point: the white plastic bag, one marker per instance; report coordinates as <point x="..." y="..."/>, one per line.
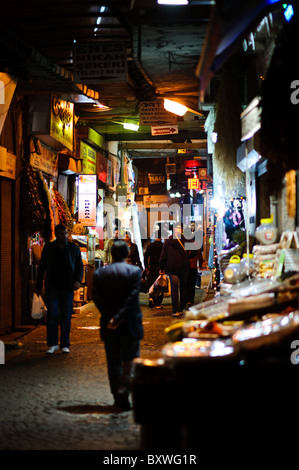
<point x="161" y="285"/>
<point x="38" y="310"/>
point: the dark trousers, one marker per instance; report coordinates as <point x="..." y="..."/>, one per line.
<point x="120" y="349"/>
<point x="191" y="285"/>
<point x="179" y="285"/>
<point x="59" y="303"/>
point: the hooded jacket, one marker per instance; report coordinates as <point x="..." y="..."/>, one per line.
<point x="174" y="257"/>
<point x="46" y="266"/>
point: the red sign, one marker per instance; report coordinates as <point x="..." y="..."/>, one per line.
<point x="161" y="130"/>
<point x="102" y="166"/>
<point x="193" y="183"/>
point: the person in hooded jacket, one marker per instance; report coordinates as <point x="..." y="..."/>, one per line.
<point x="151" y="263"/>
<point x="175" y="262"/>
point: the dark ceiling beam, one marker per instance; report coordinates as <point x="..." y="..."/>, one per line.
<point x="181" y="137"/>
<point x="164" y="146"/>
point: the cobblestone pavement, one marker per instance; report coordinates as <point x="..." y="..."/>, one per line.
<point x="63" y="402"/>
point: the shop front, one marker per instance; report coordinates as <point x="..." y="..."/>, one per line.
<point x="47" y="181"/>
<point x="225" y="378"/>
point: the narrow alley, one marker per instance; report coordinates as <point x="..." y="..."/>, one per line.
<point x="63" y="402"/>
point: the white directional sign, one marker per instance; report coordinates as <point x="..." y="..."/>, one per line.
<point x="162" y="130"/>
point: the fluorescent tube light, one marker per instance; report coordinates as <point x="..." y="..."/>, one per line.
<point x="174" y="107"/>
<point x="173" y="2"/>
<point x="130" y="126"/>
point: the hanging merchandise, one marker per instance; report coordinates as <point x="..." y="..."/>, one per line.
<point x="35" y="211"/>
<point x="41" y="209"/>
<point x="63" y="211"/>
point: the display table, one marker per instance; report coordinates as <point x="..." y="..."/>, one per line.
<point x="226" y="376"/>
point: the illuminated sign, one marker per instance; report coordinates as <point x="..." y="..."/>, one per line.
<point x="193" y="183"/>
<point x="89" y="158"/>
<point x="87" y="201"/>
<point x="61" y="126"/>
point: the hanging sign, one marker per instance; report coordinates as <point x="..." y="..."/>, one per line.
<point x="154" y="113"/>
<point x="87" y="200"/>
<point x="61" y="121"/>
<point x="102" y="167"/>
<point x="7" y="164"/>
<point x="162" y="130"/>
<point x="193" y="183"/>
<point x="251" y="119"/>
<point x="45" y="161"/>
<point x="89" y="158"/>
<point x="101" y="61"/>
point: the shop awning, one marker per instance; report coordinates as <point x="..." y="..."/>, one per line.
<point x="231" y="21"/>
<point x="68" y="165"/>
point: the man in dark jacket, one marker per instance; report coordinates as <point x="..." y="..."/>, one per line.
<point x="116" y="294"/>
<point x="61" y="266"/>
<point x="133" y="257"/>
<point x="151" y="262"/>
<point x="174" y="260"/>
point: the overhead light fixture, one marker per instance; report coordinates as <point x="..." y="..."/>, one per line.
<point x="130" y="126"/>
<point x="175" y="107"/>
<point x="173" y="2"/>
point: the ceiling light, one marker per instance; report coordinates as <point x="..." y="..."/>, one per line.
<point x="174" y="107"/>
<point x="173" y="2"/>
<point x="130" y="126"/>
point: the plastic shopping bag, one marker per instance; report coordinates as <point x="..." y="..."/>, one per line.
<point x="39" y="309"/>
<point x="160" y="285"/>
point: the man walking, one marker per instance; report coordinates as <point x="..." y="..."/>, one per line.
<point x="116" y="294"/>
<point x="61" y="266"/>
<point x="174" y="260"/>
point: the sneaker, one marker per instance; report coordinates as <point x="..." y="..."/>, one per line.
<point x="65" y="350"/>
<point x="52" y="349"/>
<point x="175" y="314"/>
<point x="150" y="303"/>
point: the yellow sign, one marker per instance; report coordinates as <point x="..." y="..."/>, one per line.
<point x="89" y="159"/>
<point x="193" y="183"/>
<point x="61" y="122"/>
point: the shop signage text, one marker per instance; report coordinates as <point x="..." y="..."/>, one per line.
<point x="156" y="178"/>
<point x="153" y="113"/>
<point x="89" y="158"/>
<point x="87" y="201"/>
<point x="193" y="183"/>
<point x="45" y="161"/>
<point x="97" y="62"/>
<point x="61" y="122"/>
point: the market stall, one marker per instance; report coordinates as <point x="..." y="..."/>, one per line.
<point x="231" y="363"/>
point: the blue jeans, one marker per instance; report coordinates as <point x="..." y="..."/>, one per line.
<point x="179" y="284"/>
<point x="121" y="349"/>
<point x="59" y="303"/>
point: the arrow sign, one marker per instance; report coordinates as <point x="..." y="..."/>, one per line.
<point x="161" y="130"/>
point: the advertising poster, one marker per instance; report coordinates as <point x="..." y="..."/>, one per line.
<point x="87" y="204"/>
